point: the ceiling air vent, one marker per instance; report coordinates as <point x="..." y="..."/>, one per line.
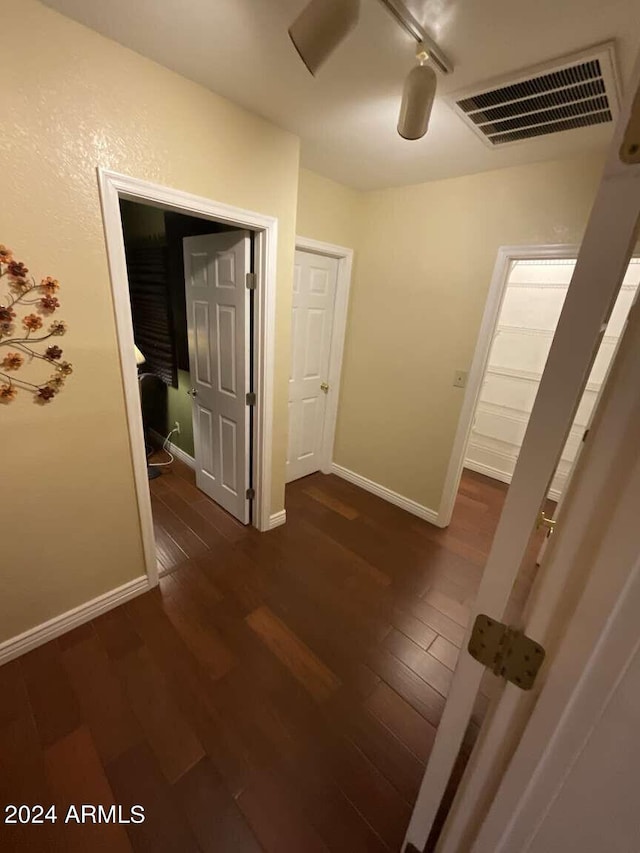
<point x="575" y="92"/>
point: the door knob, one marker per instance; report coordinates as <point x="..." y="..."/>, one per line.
<point x="549" y="523"/>
<point x="192" y="392"/>
<point x="324" y="386"/>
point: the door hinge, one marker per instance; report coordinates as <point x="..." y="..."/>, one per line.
<point x="507" y="652"/>
<point x="252" y="281"/>
<point x="250" y="398"/>
<point x="250" y="494"/>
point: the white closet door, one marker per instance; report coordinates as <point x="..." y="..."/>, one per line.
<point x="216" y="267"/>
<point x="314" y="291"/>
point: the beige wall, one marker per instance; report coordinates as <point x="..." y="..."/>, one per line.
<point x="329" y="211"/>
<point x="71" y="101"/>
<point x="425" y="256"/>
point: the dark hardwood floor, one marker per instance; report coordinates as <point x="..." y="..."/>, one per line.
<point x="277" y="692"/>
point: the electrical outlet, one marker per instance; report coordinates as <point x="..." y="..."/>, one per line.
<point x="176" y="426"/>
<point x="460" y="379"/>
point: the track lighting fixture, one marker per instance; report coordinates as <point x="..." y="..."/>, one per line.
<point x="320" y="27"/>
<point x="417" y="99"/>
<point x="323" y="24"/>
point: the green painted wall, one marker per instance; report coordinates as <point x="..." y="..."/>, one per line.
<point x="179" y="409"/>
<point x="163" y="405"/>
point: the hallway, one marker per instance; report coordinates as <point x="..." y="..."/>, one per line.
<point x="279" y="691"/>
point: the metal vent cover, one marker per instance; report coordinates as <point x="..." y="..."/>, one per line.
<point x="575" y="92"/>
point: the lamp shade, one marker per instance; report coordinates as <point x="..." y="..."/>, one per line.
<point x="140" y="359"/>
<point x="417" y="101"/>
<point x="320" y="28"/>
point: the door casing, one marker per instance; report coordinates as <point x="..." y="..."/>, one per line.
<point x="115" y="186"/>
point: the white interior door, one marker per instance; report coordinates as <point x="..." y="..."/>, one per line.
<point x="314" y="293"/>
<point x="216" y="267"/>
<point x="580" y="743"/>
<point x="602" y="262"/>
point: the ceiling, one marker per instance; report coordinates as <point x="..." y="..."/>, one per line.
<point x="346" y="116"/>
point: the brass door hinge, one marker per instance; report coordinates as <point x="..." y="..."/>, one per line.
<point x="250" y="399"/>
<point x="250" y="494"/>
<point x="506" y="652"/>
<point x="252" y="281"/>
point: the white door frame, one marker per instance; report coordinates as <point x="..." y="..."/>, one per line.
<point x="344" y="257"/>
<point x="506" y="256"/>
<point x="113" y="187"/>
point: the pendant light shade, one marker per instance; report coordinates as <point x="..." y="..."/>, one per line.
<point x="320" y="28"/>
<point x="417" y="100"/>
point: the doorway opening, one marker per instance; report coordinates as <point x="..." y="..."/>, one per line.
<point x="523" y="308"/>
<point x="526" y="296"/>
<point x="533" y="296"/>
<point x="199" y="321"/>
<point x="190" y="303"/>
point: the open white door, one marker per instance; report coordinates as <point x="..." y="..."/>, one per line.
<point x="600" y="269"/>
<point x="585" y="611"/>
<point x="216" y="267"/>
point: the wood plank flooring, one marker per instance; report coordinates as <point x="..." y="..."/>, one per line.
<point x="277" y="692"/>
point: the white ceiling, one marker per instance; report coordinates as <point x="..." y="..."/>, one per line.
<point x="347" y="115"/>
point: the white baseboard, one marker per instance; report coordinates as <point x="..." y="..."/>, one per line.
<point x="413" y="507"/>
<point x="41" y="634"/>
<point x="277" y="519"/>
<point x="495" y="474"/>
<point x="174" y="449"/>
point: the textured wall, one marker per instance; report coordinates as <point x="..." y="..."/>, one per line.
<point x="426" y="257"/>
<point x="72" y="101"/>
<point x="424" y="260"/>
<point x="329" y="211"/>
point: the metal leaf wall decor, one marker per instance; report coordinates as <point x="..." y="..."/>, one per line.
<point x="28" y="332"/>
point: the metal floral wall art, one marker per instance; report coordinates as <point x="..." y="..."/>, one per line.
<point x="27" y="333"/>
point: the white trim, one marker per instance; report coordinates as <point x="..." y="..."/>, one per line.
<point x="53" y="628"/>
<point x="340" y="311"/>
<point x="386" y="494"/>
<point x="506" y="256"/>
<point x="277" y="519"/>
<point x="176" y="451"/>
<point x="113" y="187"/>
